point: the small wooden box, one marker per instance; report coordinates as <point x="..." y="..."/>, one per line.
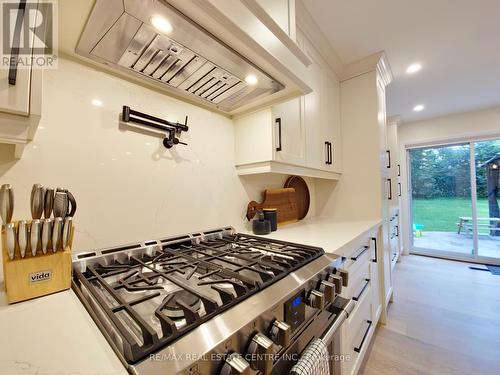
<point x="35" y="276"/>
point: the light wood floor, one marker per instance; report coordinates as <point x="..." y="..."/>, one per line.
<point x="445" y="319"/>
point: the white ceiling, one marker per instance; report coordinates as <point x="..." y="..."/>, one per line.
<point x="456" y="41"/>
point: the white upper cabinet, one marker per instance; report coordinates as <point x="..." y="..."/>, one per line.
<point x="289" y="133"/>
<point x="321" y="113"/>
<point x="20" y="97"/>
<point x="300" y="136"/>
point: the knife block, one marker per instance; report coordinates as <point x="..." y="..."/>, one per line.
<point x="36" y="276"/>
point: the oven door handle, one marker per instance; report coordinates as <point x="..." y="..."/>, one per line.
<point x="341" y="317"/>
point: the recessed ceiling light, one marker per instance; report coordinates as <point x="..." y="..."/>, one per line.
<point x="251" y="79"/>
<point x="97" y="102"/>
<point x="418" y="108"/>
<point x="161" y="24"/>
<point x="413" y="68"/>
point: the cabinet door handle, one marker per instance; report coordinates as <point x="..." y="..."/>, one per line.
<point x="388" y="158"/>
<point x="389" y="181"/>
<point x="375" y="260"/>
<point x="399" y="170"/>
<point x="327" y="152"/>
<point x="278" y="122"/>
<point x="359" y="252"/>
<point x="358" y="297"/>
<point x="358" y="348"/>
<point x="399" y="189"/>
<point x="397" y="230"/>
<point x="14" y="54"/>
<point x="330" y="152"/>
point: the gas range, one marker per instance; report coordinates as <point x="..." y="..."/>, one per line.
<point x="213" y="302"/>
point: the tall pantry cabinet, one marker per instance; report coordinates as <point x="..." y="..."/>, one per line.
<point x="363" y="193"/>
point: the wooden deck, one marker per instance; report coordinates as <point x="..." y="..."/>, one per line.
<point x="445" y="319"/>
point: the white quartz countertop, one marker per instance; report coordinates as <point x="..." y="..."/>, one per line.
<point x="54" y="335"/>
<point x="332" y="236"/>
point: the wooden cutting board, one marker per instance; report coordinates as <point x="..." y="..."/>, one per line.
<point x="283" y="200"/>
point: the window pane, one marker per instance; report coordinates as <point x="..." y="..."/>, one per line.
<point x="441" y="200"/>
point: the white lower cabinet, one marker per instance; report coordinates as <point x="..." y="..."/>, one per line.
<point x="364" y="287"/>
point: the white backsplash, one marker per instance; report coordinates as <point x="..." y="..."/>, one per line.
<point x="128" y="186"/>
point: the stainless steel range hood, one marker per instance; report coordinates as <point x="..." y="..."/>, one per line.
<point x="182" y="57"/>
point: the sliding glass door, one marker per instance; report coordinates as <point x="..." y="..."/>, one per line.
<point x="487" y="157"/>
<point x="454" y="200"/>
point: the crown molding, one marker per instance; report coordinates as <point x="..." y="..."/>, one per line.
<point x="377" y="62"/>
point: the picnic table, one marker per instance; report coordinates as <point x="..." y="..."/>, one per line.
<point x="465" y="223"/>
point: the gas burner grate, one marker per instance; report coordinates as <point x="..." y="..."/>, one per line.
<point x="150" y="298"/>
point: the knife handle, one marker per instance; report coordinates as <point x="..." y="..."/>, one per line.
<point x="10" y="239"/>
<point x="36" y="226"/>
<point x="37" y="201"/>
<point x="68" y="224"/>
<point x="48" y="203"/>
<point x="6" y="203"/>
<point x="57" y="234"/>
<point x="22" y="237"/>
<point x="46" y="234"/>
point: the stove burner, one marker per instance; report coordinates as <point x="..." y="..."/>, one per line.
<point x="173" y="310"/>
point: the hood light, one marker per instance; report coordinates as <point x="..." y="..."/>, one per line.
<point x="251" y="79"/>
<point x="419" y="108"/>
<point x="161" y="24"/>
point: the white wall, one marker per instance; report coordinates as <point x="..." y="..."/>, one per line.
<point x="447" y="129"/>
<point x="128" y="186"/>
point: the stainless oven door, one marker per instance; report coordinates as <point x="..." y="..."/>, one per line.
<point x="332" y="337"/>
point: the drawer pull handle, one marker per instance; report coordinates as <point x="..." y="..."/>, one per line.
<point x="358" y="297"/>
<point x="358" y="348"/>
<point x="375" y="260"/>
<point x="359" y="252"/>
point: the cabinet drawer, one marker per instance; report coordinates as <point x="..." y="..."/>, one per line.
<point x="357" y="278"/>
<point x="362" y="312"/>
<point x="357" y="350"/>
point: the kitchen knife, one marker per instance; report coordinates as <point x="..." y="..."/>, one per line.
<point x="68" y="223"/>
<point x="46" y="234"/>
<point x="6" y="203"/>
<point x="10" y="239"/>
<point x="22" y="237"/>
<point x="57" y="234"/>
<point x="48" y="202"/>
<point x="36" y="226"/>
<point x="37" y="201"/>
<point x="60" y="204"/>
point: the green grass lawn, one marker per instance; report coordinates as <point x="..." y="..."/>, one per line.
<point x="441" y="215"/>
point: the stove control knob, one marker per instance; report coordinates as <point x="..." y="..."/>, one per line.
<point x="235" y="365"/>
<point x="337" y="281"/>
<point x="280" y="333"/>
<point x="316" y="299"/>
<point x="344" y="275"/>
<point x="328" y="289"/>
<point x="260" y="353"/>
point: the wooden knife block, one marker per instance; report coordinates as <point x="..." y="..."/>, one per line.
<point x="36" y="276"/>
